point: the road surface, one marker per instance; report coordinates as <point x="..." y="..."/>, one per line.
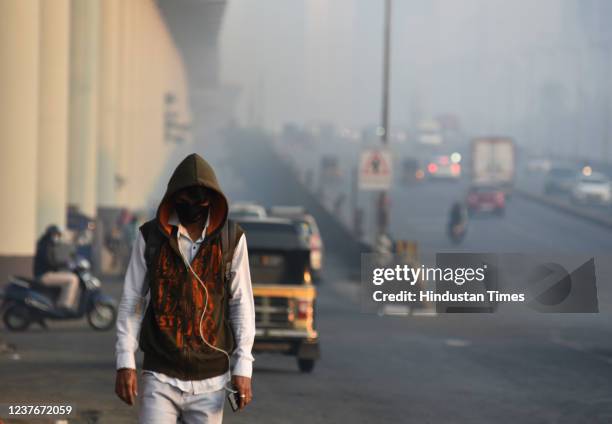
<point x="444" y="369"/>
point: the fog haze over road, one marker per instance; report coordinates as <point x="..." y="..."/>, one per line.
<point x="534" y="70"/>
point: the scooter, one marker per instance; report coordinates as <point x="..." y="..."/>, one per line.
<point x="457" y="231"/>
<point x="27" y="301"/>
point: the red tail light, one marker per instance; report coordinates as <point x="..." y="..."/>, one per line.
<point x="455" y="168"/>
<point x="304" y="309"/>
<point x="432" y="168"/>
<point x="315" y="241"/>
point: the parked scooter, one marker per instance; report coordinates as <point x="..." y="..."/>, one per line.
<point x="27" y="301"/>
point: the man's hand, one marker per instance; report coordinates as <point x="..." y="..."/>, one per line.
<point x="126" y="385"/>
<point x="243" y="385"/>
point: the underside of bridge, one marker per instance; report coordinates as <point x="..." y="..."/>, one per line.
<point x="195" y="26"/>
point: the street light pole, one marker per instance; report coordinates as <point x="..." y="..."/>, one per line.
<point x="383" y="200"/>
<point x="606" y="56"/>
<point x="385" y="88"/>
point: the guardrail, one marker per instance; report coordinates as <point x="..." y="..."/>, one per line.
<point x="557" y="204"/>
<point x="336" y="236"/>
<point x="326" y="218"/>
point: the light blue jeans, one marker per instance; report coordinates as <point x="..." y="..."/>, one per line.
<point x="162" y="403"/>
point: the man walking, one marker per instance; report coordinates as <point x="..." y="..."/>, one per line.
<point x="191" y="263"/>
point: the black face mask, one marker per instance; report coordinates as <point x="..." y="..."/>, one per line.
<point x="190" y="213"/>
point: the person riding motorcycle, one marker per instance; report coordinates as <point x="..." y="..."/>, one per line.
<point x="457" y="221"/>
<point x="51" y="267"/>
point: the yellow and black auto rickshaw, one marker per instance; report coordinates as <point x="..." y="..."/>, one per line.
<point x="285" y="296"/>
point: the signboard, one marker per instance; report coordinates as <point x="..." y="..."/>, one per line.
<point x="430" y="132"/>
<point x="375" y="171"/>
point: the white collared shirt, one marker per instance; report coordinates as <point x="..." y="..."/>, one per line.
<point x="241" y="311"/>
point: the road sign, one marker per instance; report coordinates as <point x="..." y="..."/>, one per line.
<point x="375" y="170"/>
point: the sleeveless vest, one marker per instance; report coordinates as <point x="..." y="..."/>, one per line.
<point x="173" y="325"/>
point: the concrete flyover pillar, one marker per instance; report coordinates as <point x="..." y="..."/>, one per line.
<point x="83" y="109"/>
<point x="110" y="62"/>
<point x="53" y="117"/>
<point x="19" y="56"/>
<point x="124" y="121"/>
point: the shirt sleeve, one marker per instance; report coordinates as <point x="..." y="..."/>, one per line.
<point x="131" y="307"/>
<point x="242" y="310"/>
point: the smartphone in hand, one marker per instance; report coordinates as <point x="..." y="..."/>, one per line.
<point x="233" y="397"/>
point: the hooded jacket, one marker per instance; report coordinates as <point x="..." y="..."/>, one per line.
<point x="177" y="317"/>
<point x="50" y="255"/>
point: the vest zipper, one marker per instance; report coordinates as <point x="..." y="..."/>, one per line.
<point x="186" y="351"/>
<point x="190" y="271"/>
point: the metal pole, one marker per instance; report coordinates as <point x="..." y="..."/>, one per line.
<point x="383" y="202"/>
<point x="385" y="89"/>
<point x="606" y="108"/>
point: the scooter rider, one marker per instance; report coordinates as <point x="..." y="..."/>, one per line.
<point x="51" y="267"/>
<point x="457" y="219"/>
<point x="456" y="214"/>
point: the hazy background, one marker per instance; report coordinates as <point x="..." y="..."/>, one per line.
<point x="537" y="70"/>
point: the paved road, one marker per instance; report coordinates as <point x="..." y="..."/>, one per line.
<point x="420" y="212"/>
<point x="464" y="369"/>
<point x="445" y="369"/>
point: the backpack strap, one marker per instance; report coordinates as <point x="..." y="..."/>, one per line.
<point x="230" y="236"/>
<point x="153" y="242"/>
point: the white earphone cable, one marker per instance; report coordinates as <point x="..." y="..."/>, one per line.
<point x="202" y="317"/>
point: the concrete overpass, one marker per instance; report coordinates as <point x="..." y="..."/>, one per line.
<point x="195" y="26"/>
<point x="97" y="94"/>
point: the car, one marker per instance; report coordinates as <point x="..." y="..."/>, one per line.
<point x="285" y="297"/>
<point x="442" y="167"/>
<point x="559" y="180"/>
<point x="592" y="189"/>
<point x="240" y="210"/>
<point x="486" y="198"/>
<point x="310" y="230"/>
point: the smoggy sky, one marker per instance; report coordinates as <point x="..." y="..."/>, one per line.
<point x="487" y="61"/>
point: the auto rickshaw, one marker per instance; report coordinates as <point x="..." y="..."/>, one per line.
<point x="285" y="296"/>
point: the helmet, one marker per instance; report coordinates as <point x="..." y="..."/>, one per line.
<point x="53" y="230"/>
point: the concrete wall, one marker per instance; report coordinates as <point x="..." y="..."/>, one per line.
<point x="82" y="121"/>
<point x="18" y="127"/>
<point x="149" y="66"/>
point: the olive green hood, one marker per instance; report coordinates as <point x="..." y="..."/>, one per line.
<point x="194" y="171"/>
